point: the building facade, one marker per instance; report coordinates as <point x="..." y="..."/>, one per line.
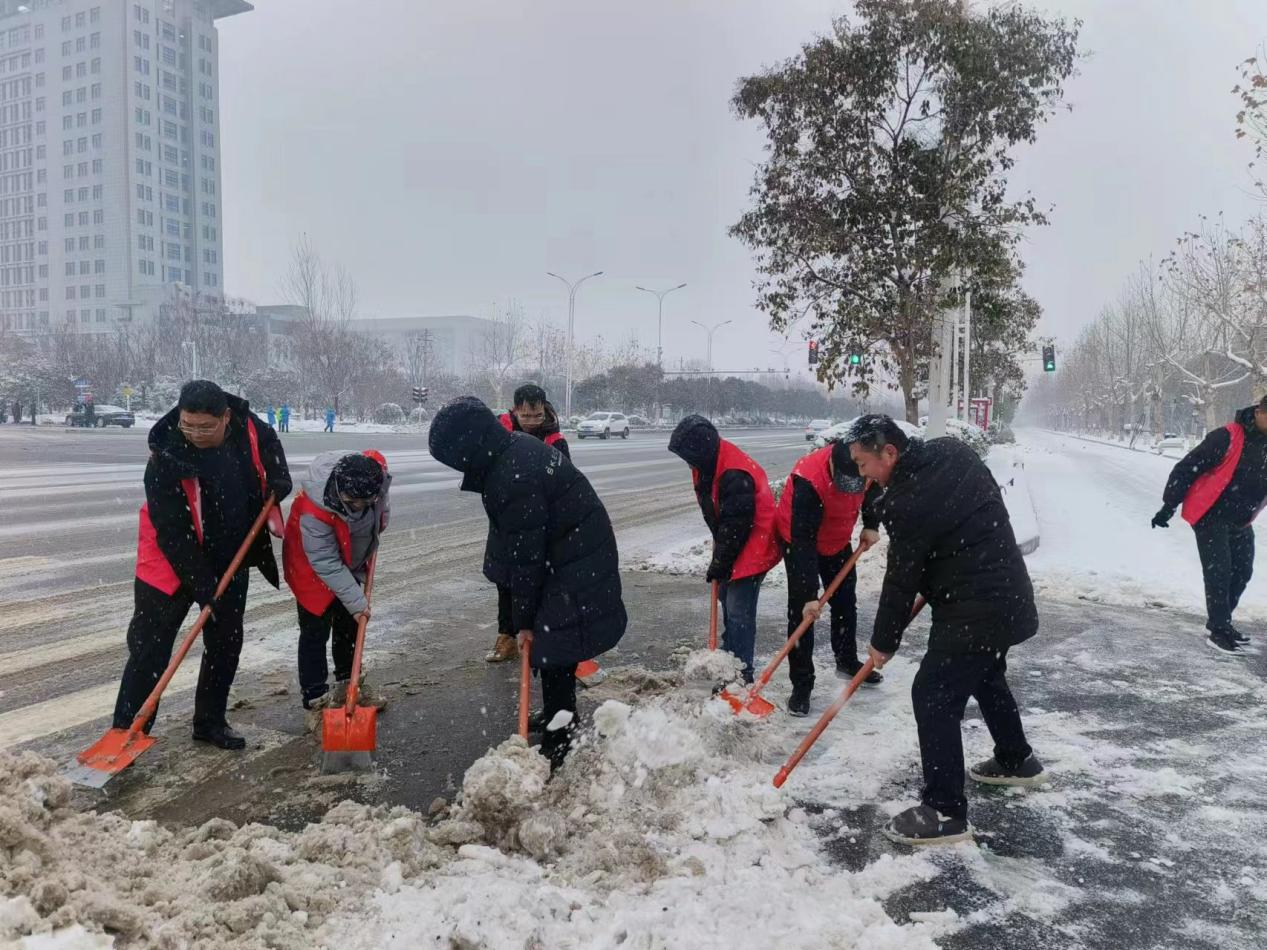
<point x="109" y="159"/>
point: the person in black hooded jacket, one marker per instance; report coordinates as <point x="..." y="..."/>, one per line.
<point x="550" y="543"/>
<point x="1222" y="486"/>
<point x="950" y="539"/>
<point x="212" y="465"/>
<point x="532" y="414"/>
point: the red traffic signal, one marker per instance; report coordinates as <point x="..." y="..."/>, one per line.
<point x="813" y="352"/>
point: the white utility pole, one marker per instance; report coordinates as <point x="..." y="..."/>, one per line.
<point x="567" y="398"/>
<point x="941" y="365"/>
<point x="967" y="356"/>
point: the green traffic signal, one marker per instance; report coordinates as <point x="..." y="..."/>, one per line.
<point x="855" y="359"/>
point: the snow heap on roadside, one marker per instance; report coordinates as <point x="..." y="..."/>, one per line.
<point x="662" y="829"/>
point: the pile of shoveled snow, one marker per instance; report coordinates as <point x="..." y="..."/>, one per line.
<point x="662" y="830"/>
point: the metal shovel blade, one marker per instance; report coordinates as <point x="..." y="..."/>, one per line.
<point x="348" y="741"/>
<point x="754" y="706"/>
<point x="107" y="757"/>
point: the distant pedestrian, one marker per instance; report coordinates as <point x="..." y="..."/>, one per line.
<point x="272" y="416"/>
<point x="950" y="539"/>
<point x="1222" y="486"/>
<point x="329" y="419"/>
<point x="284" y="418"/>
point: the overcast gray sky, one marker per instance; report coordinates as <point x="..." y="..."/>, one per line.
<point x="450" y="152"/>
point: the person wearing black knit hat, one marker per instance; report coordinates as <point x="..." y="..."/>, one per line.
<point x="331" y="534"/>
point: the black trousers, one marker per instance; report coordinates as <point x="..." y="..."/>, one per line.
<point x="941" y="690"/>
<point x="558" y="692"/>
<point x="844" y="621"/>
<point x="156" y="621"/>
<point x="504" y="624"/>
<point x="1227" y="563"/>
<point x="314" y="631"/>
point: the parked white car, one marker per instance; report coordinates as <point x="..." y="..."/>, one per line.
<point x="815" y="428"/>
<point x="603" y="425"/>
<point x="1169" y="441"/>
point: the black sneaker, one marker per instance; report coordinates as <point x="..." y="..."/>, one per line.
<point x="847" y="669"/>
<point x="989" y="772"/>
<point x="1238" y="636"/>
<point x="1224" y="642"/>
<point x="924" y="825"/>
<point x="222" y="736"/>
<point x="798" y="702"/>
<point x="537" y="721"/>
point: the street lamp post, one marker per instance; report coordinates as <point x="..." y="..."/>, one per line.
<point x="567" y="397"/>
<point x="710" y="331"/>
<point x="659" y="338"/>
<point x="192" y="346"/>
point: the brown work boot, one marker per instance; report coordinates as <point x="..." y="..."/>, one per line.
<point x="506" y="648"/>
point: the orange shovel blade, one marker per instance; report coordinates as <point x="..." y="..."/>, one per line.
<point x="109" y="755"/>
<point x="754" y="706"/>
<point x="355" y="733"/>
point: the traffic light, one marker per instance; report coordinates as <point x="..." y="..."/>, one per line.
<point x="813" y="352"/>
<point x="855" y="359"/>
<point x="1049" y="359"/>
<point x="420" y="394"/>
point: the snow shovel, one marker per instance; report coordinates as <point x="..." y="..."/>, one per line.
<point x="349" y="734"/>
<point x="525" y="684"/>
<point x="712" y="615"/>
<point x="119" y="748"/>
<point x="750" y="699"/>
<point x="781" y="776"/>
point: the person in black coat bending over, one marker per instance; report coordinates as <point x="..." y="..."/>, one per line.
<point x="212" y="465"/>
<point x="1222" y="485"/>
<point x="950" y="540"/>
<point x="533" y="414"/>
<point x="550" y="543"/>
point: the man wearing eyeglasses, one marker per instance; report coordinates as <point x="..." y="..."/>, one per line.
<point x="331" y="534"/>
<point x="212" y="465"/>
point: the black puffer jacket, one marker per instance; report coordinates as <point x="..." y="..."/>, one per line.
<point x="172" y="459"/>
<point x="550" y="542"/>
<point x="696" y="441"/>
<point x="950" y="539"/>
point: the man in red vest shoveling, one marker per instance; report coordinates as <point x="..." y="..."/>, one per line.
<point x="817" y="511"/>
<point x="532" y="414"/>
<point x="332" y="532"/>
<point x="738" y="507"/>
<point x="213" y="463"/>
<point x="1222" y="485"/>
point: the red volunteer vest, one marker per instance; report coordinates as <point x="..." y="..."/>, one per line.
<point x="1207" y="489"/>
<point x="761" y="552"/>
<point x="309" y="589"/>
<point x="151" y="564"/>
<point x="840" y="509"/>
<point x="508" y="423"/>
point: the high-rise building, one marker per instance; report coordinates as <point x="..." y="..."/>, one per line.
<point x="109" y="159"/>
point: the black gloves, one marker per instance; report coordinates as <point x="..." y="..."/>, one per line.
<point x="1162" y="518"/>
<point x="280" y="487"/>
<point x="717" y="572"/>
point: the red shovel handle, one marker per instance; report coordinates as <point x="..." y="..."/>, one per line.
<point x="781" y="776"/>
<point x="525" y="683"/>
<point x="354" y="685"/>
<point x="150" y="706"/>
<point x="712" y="615"/>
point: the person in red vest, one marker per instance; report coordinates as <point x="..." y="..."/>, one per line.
<point x="332" y="532"/>
<point x="212" y="465"/>
<point x="738" y="506"/>
<point x="817" y="511"/>
<point x="1222" y="485"/>
<point x="533" y="415"/>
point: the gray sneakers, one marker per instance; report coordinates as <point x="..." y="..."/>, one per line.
<point x="923" y="825"/>
<point x="1029" y="774"/>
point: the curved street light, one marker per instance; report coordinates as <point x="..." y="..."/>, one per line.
<point x="567" y="398"/>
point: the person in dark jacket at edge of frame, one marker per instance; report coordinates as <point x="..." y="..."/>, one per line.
<point x="1222" y="486"/>
<point x="212" y="465"/>
<point x="738" y="506"/>
<point x="817" y="512"/>
<point x="532" y="414"/>
<point x="950" y="539"/>
<point x="550" y="543"/>
<point x="333" y="530"/>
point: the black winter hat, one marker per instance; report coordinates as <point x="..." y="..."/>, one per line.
<point x="696" y="442"/>
<point x="464" y="433"/>
<point x="357" y="476"/>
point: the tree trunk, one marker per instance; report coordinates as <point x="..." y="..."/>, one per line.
<point x="906" y="379"/>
